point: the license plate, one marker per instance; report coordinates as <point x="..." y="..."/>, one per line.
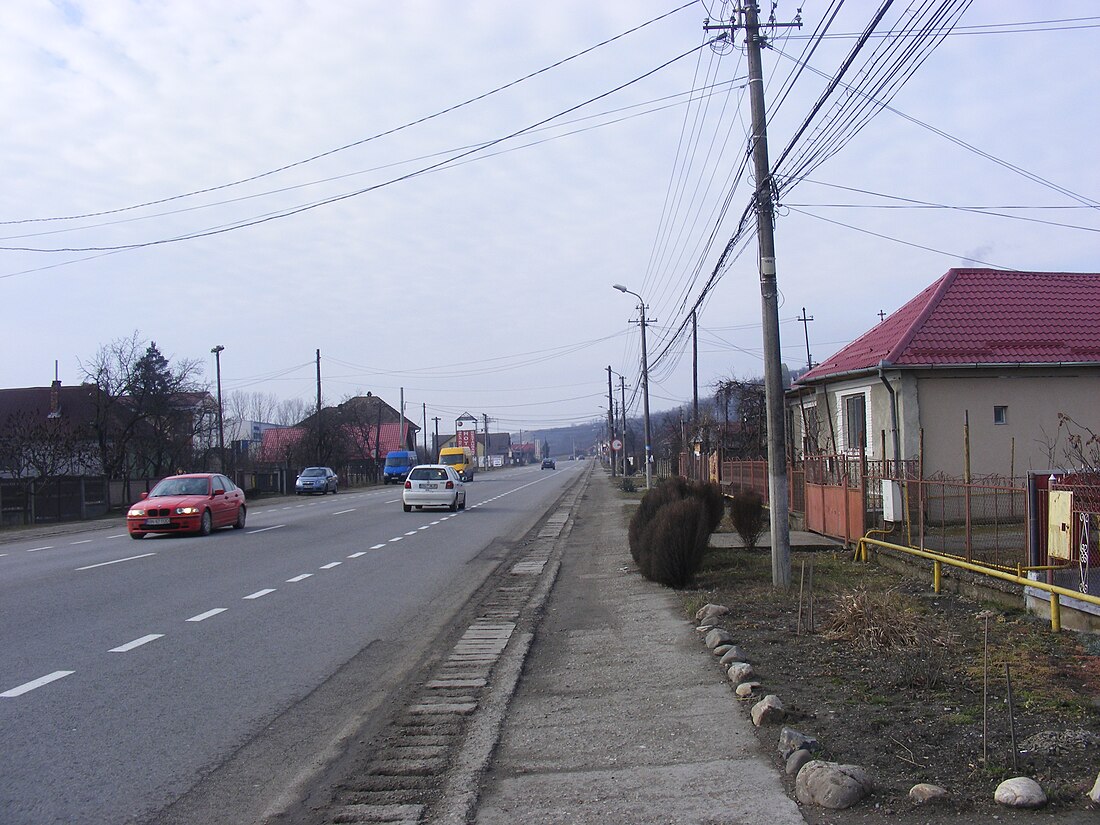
<point x="431" y="486"/>
<point x="157" y="522"/>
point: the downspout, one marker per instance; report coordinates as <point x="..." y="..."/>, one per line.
<point x="893" y="414"/>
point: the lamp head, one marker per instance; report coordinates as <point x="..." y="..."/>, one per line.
<point x="217" y="349"/>
<point x="619" y="287"/>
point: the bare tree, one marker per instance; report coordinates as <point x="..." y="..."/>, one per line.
<point x="37" y="449"/>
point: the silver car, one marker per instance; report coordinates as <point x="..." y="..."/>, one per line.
<point x="433" y="485"/>
<point x="316" y="480"/>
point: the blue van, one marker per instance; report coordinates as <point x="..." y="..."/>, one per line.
<point x="398" y="465"/>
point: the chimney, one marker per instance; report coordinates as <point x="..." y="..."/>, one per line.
<point x="55" y="399"/>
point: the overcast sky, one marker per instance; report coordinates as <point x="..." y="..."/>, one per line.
<point x="466" y="250"/>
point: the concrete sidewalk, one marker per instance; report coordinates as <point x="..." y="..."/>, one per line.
<point x="622" y="715"/>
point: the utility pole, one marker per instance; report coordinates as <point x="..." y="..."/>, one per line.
<point x="694" y="371"/>
<point x="778" y="504"/>
<point x="486" y="418"/>
<point x="805" y="319"/>
<point x="610" y="422"/>
<point x="320" y="458"/>
<point x="221" y="426"/>
<point x="622" y="406"/>
<point x="435" y="442"/>
<point x="424" y="414"/>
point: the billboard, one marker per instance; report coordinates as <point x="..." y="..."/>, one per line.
<point x="466" y="432"/>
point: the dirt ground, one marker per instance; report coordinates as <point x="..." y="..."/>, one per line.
<point x="902" y="682"/>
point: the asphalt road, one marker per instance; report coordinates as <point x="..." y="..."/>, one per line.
<point x="136" y="674"/>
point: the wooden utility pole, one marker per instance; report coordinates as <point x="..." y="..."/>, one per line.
<point x="747" y="17"/>
<point x="694" y="371"/>
<point x="805" y="319"/>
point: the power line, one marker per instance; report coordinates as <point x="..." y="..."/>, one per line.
<point x="362" y="141"/>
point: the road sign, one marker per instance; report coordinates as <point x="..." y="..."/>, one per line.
<point x="616" y="445"/>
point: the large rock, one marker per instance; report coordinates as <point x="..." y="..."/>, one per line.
<point x="716" y="637"/>
<point x="739" y="672"/>
<point x="924" y="793"/>
<point x="709" y="611"/>
<point x="1094" y="794"/>
<point x="733" y="654"/>
<point x="796" y="760"/>
<point x="768" y="711"/>
<point x="831" y="785"/>
<point x="1020" y="792"/>
<point x="791" y="740"/>
<point x="747" y="689"/>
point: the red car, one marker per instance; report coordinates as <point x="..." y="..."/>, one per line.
<point x="193" y="503"/>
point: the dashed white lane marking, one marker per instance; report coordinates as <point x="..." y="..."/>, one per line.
<point x="265" y="529"/>
<point x="331" y="565"/>
<point x="202" y="617"/>
<point x="144" y="640"/>
<point x="377" y="546"/>
<point x="36" y="549"/>
<point x="392" y="501"/>
<point x="37" y="683"/>
<point x="259" y="593"/>
<point x="300" y="578"/>
<point x="411" y="533"/>
<point x="397" y="538"/>
<point x="425" y="527"/>
<point x="118" y="535"/>
<point x="341" y="512"/>
<point x="2" y="555"/>
<point x="357" y="555"/>
<point x="116" y="561"/>
<point x="82" y="541"/>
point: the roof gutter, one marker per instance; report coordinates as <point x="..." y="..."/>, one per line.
<point x="869" y="370"/>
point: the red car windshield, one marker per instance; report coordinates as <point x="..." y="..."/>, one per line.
<point x="181" y="487"/>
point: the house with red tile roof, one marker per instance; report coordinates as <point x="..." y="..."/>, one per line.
<point x="998" y="353"/>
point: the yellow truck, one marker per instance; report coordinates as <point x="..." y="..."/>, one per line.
<point x="461" y="459"/>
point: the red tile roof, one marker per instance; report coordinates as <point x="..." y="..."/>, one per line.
<point x="982" y="317"/>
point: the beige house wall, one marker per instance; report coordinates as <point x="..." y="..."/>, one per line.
<point x="1032" y="398"/>
<point x="937" y="401"/>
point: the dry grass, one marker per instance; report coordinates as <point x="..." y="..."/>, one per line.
<point x="884" y="620"/>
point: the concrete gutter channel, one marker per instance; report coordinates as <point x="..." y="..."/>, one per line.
<point x="429" y="762"/>
<point x="622" y="715"/>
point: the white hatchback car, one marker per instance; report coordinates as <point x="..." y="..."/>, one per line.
<point x="433" y="485"/>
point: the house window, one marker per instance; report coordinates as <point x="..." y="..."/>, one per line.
<point x="855" y="421"/>
<point x="1000" y="414"/>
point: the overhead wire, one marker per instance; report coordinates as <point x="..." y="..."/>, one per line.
<point x="373" y="137"/>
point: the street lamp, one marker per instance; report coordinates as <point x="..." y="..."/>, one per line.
<point x="221" y="428"/>
<point x="645" y="381"/>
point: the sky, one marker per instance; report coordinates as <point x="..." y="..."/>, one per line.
<point x="438" y="197"/>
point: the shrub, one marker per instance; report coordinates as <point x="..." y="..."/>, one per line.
<point x="710" y="494"/>
<point x="677" y="540"/>
<point x="668" y="490"/>
<point x="627" y="485"/>
<point x="747" y="516"/>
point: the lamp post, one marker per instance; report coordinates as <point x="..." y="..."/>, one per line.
<point x="645" y="381"/>
<point x="221" y="428"/>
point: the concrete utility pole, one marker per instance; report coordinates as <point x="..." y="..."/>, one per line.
<point x="694" y="370"/>
<point x="486" y="417"/>
<point x="778" y="504"/>
<point x="610" y="422"/>
<point x="645" y="383"/>
<point x="622" y="407"/>
<point x="435" y="442"/>
<point x="320" y="459"/>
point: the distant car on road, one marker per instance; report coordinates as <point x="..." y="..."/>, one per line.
<point x="548" y="464"/>
<point x="316" y="480"/>
<point x="434" y="485"/>
<point x="192" y="503"/>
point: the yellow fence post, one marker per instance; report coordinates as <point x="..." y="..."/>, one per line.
<point x="936" y="573"/>
<point x="1055" y="613"/>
